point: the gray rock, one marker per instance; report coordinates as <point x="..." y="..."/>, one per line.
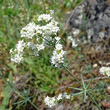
<point x="92" y="16"/>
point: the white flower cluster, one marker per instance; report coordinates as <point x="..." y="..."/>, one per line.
<point x="17" y="53"/>
<point x="37" y="37"/>
<point x="33" y="30"/>
<point x="105" y="71"/>
<point x="66" y="96"/>
<point x="45" y="17"/>
<point x="70" y="39"/>
<point x="58" y="54"/>
<point x="51" y="101"/>
<point x="29" y="30"/>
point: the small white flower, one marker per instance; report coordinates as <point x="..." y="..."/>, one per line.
<point x="11" y="50"/>
<point x="45" y="17"/>
<point x="46" y="40"/>
<point x="17" y="58"/>
<point x="58" y="56"/>
<point x="58" y="46"/>
<point x="70" y="39"/>
<point x="36" y="53"/>
<point x="74" y="44"/>
<point x="105" y="71"/>
<point x="60" y="96"/>
<point x="20" y="46"/>
<point x="51" y="12"/>
<point x="66" y="96"/>
<point x="29" y="30"/>
<point x="50" y="102"/>
<point x="40" y="47"/>
<point x="29" y="44"/>
<point x="57" y="38"/>
<point x="17" y="53"/>
<point x="51" y="28"/>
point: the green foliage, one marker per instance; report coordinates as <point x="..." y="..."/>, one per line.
<point x="72" y="3"/>
<point x="81" y="57"/>
<point x="88" y="69"/>
<point x="6" y="93"/>
<point x="84" y="90"/>
<point x="99" y="95"/>
<point x="46" y="76"/>
<point x="101" y="86"/>
<point x="11" y="12"/>
<point x="25" y="99"/>
<point x="13" y="67"/>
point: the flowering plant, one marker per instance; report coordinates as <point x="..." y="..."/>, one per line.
<point x="42" y="33"/>
<point x="38" y="35"/>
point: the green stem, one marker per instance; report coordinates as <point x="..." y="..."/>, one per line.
<point x="72" y="74"/>
<point x="44" y="2"/>
<point x="94" y="101"/>
<point x="33" y="105"/>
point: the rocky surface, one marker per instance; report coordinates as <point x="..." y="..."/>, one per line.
<point x="92" y="17"/>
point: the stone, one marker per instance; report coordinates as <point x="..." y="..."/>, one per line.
<point x="93" y="17"/>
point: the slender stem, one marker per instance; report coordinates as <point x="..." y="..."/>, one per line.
<point x="81" y="85"/>
<point x="94" y="101"/>
<point x="72" y="74"/>
<point x="44" y="2"/>
<point x="18" y="93"/>
<point x="33" y="105"/>
<point x="84" y="81"/>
